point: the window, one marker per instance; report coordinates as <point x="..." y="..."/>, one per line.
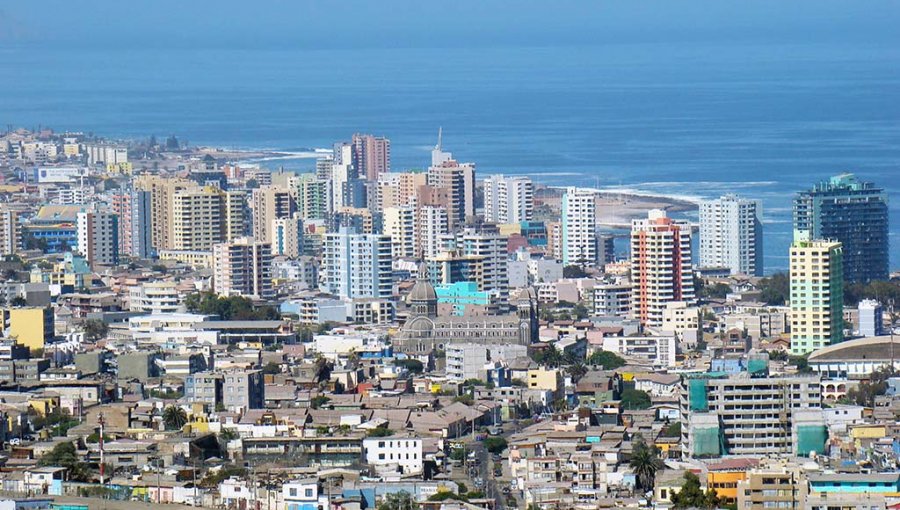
<point x="308" y="493"/>
<point x="293" y="492"/>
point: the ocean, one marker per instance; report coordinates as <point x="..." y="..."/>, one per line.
<point x="689" y="119"/>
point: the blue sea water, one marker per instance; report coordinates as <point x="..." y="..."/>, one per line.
<point x="682" y="119"/>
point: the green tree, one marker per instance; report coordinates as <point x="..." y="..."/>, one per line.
<point x="673" y="430"/>
<point x="318" y="401"/>
<point x="65" y="455"/>
<point x="865" y="392"/>
<point x="635" y="400"/>
<point x="580" y="311"/>
<point x="606" y="360"/>
<point x="775" y="290"/>
<point x="574" y="271"/>
<point x="715" y="291"/>
<point x="413" y="365"/>
<point x="174" y="417"/>
<point x="271" y="368"/>
<point x="495" y="444"/>
<point x="645" y="462"/>
<point x="95" y="329"/>
<point x="401" y="500"/>
<point x="379" y="432"/>
<point x="691" y="494"/>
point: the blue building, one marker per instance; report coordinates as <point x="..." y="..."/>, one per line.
<point x="853" y="212"/>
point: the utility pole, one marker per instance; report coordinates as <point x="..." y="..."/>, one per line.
<point x="102" y="467"/>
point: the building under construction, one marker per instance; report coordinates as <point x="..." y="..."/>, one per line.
<point x="750" y="413"/>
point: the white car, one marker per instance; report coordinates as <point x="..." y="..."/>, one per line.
<point x="15" y="441"/>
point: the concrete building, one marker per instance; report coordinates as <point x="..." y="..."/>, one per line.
<point x="400" y="224"/>
<point x="817" y="295"/>
<point x="508" y="199"/>
<point x="98" y="238"/>
<point x="243" y="268"/>
<point x="287" y="236"/>
<point x="871" y="318"/>
<point x="311" y="195"/>
<point x="467" y="361"/>
<point x="612" y="300"/>
<point x="204" y="388"/>
<point x="395" y="453"/>
<point x="731" y="235"/>
<point x="134" y="209"/>
<point x="660" y="266"/>
<point x="852" y="212"/>
<point x="357" y="265"/>
<point x="203" y="217"/>
<point x="743" y="415"/>
<point x="243" y="390"/>
<point x="268" y="204"/>
<point x="658" y="351"/>
<point x="155" y="298"/>
<point x="433" y="225"/>
<point x="162" y="191"/>
<point x="457" y="180"/>
<point x="10" y="230"/>
<point x="579" y="227"/>
<point x="772" y="487"/>
<point x="372" y="155"/>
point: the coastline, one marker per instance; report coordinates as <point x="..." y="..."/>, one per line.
<point x="615" y="208"/>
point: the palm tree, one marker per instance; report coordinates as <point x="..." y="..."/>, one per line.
<point x="576" y="370"/>
<point x="645" y="462"/>
<point x="174" y="417"/>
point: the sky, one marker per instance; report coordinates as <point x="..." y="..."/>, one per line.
<point x="434" y="23"/>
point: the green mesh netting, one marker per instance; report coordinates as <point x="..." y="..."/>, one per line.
<point x="756" y="366"/>
<point x="698" y="396"/>
<point x="811" y="438"/>
<point x="707" y="442"/>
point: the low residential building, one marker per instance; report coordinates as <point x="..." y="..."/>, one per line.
<point x="399" y="452"/>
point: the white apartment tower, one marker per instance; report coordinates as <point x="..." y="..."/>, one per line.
<point x="579" y="227"/>
<point x="433" y="225"/>
<point x="400" y="224"/>
<point x="508" y="199"/>
<point x="243" y="267"/>
<point x="731" y="235"/>
<point x="357" y="265"/>
<point x="660" y="266"/>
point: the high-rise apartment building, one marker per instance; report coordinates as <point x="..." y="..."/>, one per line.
<point x="433" y="225"/>
<point x="399" y="190"/>
<point x="817" y="295"/>
<point x="508" y="199"/>
<point x="162" y="190"/>
<point x="243" y="267"/>
<point x="579" y="227"/>
<point x="287" y="236"/>
<point x="457" y="180"/>
<point x="660" y="266"/>
<point x="731" y="235"/>
<point x="98" y="237"/>
<point x="311" y="196"/>
<point x="871" y="318"/>
<point x="850" y="211"/>
<point x="372" y="154"/>
<point x="134" y="209"/>
<point x="10" y="231"/>
<point x="203" y="217"/>
<point x="401" y="226"/>
<point x="357" y="265"/>
<point x="268" y="204"/>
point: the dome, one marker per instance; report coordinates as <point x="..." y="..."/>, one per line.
<point x="423" y="290"/>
